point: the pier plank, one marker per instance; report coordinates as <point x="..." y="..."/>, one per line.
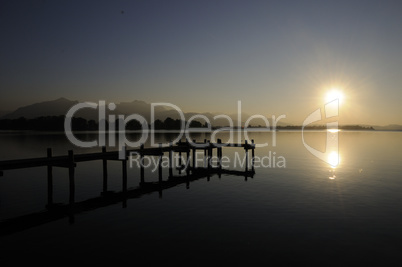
<point x="63" y="161"/>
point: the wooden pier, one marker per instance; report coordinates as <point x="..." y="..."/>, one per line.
<point x="71" y="160"/>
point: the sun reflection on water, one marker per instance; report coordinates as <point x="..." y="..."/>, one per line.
<point x="333" y="160"/>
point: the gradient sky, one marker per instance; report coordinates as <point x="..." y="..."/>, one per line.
<point x="277" y="57"/>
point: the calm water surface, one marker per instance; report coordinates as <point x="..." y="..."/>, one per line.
<point x="301" y="211"/>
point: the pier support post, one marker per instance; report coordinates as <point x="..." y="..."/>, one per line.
<point x="209" y="155"/>
<point x="104" y="161"/>
<point x="219" y="152"/>
<point x="142" y="163"/>
<point x="71" y="174"/>
<point x="124" y="172"/>
<point x="187" y="158"/>
<point x="252" y="154"/>
<point x="205" y="153"/>
<point x="180" y="161"/>
<point x="49" y="180"/>
<point x="160" y="163"/>
<point x="170" y="159"/>
<point x="124" y="169"/>
<point x="246" y="151"/>
<point x="194" y="150"/>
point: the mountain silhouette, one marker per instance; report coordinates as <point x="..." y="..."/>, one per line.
<point x="61" y="106"/>
<point x="4" y="112"/>
<point x="56" y="107"/>
<point x="139" y="107"/>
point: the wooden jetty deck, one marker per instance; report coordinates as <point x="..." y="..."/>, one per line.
<point x="71" y="160"/>
<point x="56" y="211"/>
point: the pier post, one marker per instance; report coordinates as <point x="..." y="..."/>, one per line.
<point x="142" y="163"/>
<point x="246" y="151"/>
<point x="205" y="152"/>
<point x="209" y="154"/>
<point x="49" y="179"/>
<point x="124" y="169"/>
<point x="104" y="161"/>
<point x="187" y="158"/>
<point x="219" y="152"/>
<point x="180" y="163"/>
<point x="170" y="159"/>
<point x="71" y="174"/>
<point x="194" y="150"/>
<point x="124" y="172"/>
<point x="160" y="162"/>
<point x="252" y="154"/>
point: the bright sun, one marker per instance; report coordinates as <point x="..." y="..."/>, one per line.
<point x="333" y="94"/>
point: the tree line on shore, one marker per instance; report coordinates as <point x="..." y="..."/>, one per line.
<point x="56" y="123"/>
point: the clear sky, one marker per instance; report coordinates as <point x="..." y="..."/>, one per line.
<point x="277" y="57"/>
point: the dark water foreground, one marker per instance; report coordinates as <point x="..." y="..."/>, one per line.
<point x="303" y="212"/>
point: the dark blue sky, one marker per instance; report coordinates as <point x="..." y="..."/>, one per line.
<point x="277" y="57"/>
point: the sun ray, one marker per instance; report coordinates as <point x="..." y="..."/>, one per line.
<point x="333" y="94"/>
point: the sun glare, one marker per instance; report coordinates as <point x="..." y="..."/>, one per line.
<point x="333" y="159"/>
<point x="333" y="94"/>
<point x="333" y="130"/>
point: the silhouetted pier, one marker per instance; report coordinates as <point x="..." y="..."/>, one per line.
<point x="71" y="160"/>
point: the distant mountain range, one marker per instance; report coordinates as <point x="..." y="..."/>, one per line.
<point x="48" y="108"/>
<point x="60" y="107"/>
<point x="3" y="112"/>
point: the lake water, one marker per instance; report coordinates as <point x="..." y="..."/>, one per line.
<point x="299" y="211"/>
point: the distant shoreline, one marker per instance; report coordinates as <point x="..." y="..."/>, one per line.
<point x="56" y="124"/>
<point x="34" y="132"/>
